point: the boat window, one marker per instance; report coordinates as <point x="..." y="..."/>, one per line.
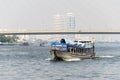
<point x="80" y="42"/>
<point x="84" y="41"/>
<point x="75" y="41"/>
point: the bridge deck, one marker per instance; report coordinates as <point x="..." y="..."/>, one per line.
<point x="37" y="32"/>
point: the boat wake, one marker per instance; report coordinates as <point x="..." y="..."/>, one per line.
<point x="48" y="59"/>
<point x="72" y="59"/>
<point x="107" y="56"/>
<point x="78" y="59"/>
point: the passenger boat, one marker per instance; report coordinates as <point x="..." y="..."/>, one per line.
<point x="25" y="43"/>
<point x="42" y="44"/>
<point x="77" y="50"/>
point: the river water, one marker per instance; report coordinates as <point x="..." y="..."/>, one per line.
<point x="31" y="63"/>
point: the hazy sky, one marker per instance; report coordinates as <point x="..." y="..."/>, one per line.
<point x="38" y="14"/>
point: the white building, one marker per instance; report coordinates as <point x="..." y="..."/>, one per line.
<point x="59" y="25"/>
<point x="59" y="22"/>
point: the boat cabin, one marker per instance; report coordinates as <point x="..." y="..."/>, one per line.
<point x="84" y="44"/>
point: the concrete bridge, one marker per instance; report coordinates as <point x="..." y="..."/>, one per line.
<point x="46" y="32"/>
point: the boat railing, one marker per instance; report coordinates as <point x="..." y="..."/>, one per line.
<point x="82" y="51"/>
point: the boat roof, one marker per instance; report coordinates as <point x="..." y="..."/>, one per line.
<point x="83" y="40"/>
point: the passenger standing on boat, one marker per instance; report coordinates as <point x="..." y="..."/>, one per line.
<point x="62" y="41"/>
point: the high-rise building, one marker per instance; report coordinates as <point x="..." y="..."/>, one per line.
<point x="58" y="22"/>
<point x="70" y="25"/>
<point x="65" y="23"/>
<point x="59" y="25"/>
<point x="70" y="21"/>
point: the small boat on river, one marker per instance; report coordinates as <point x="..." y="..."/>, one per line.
<point x="25" y="43"/>
<point x="72" y="51"/>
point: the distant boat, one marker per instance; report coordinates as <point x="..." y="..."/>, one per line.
<point x="25" y="43"/>
<point x="1" y="43"/>
<point x="74" y="51"/>
<point x="42" y="44"/>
